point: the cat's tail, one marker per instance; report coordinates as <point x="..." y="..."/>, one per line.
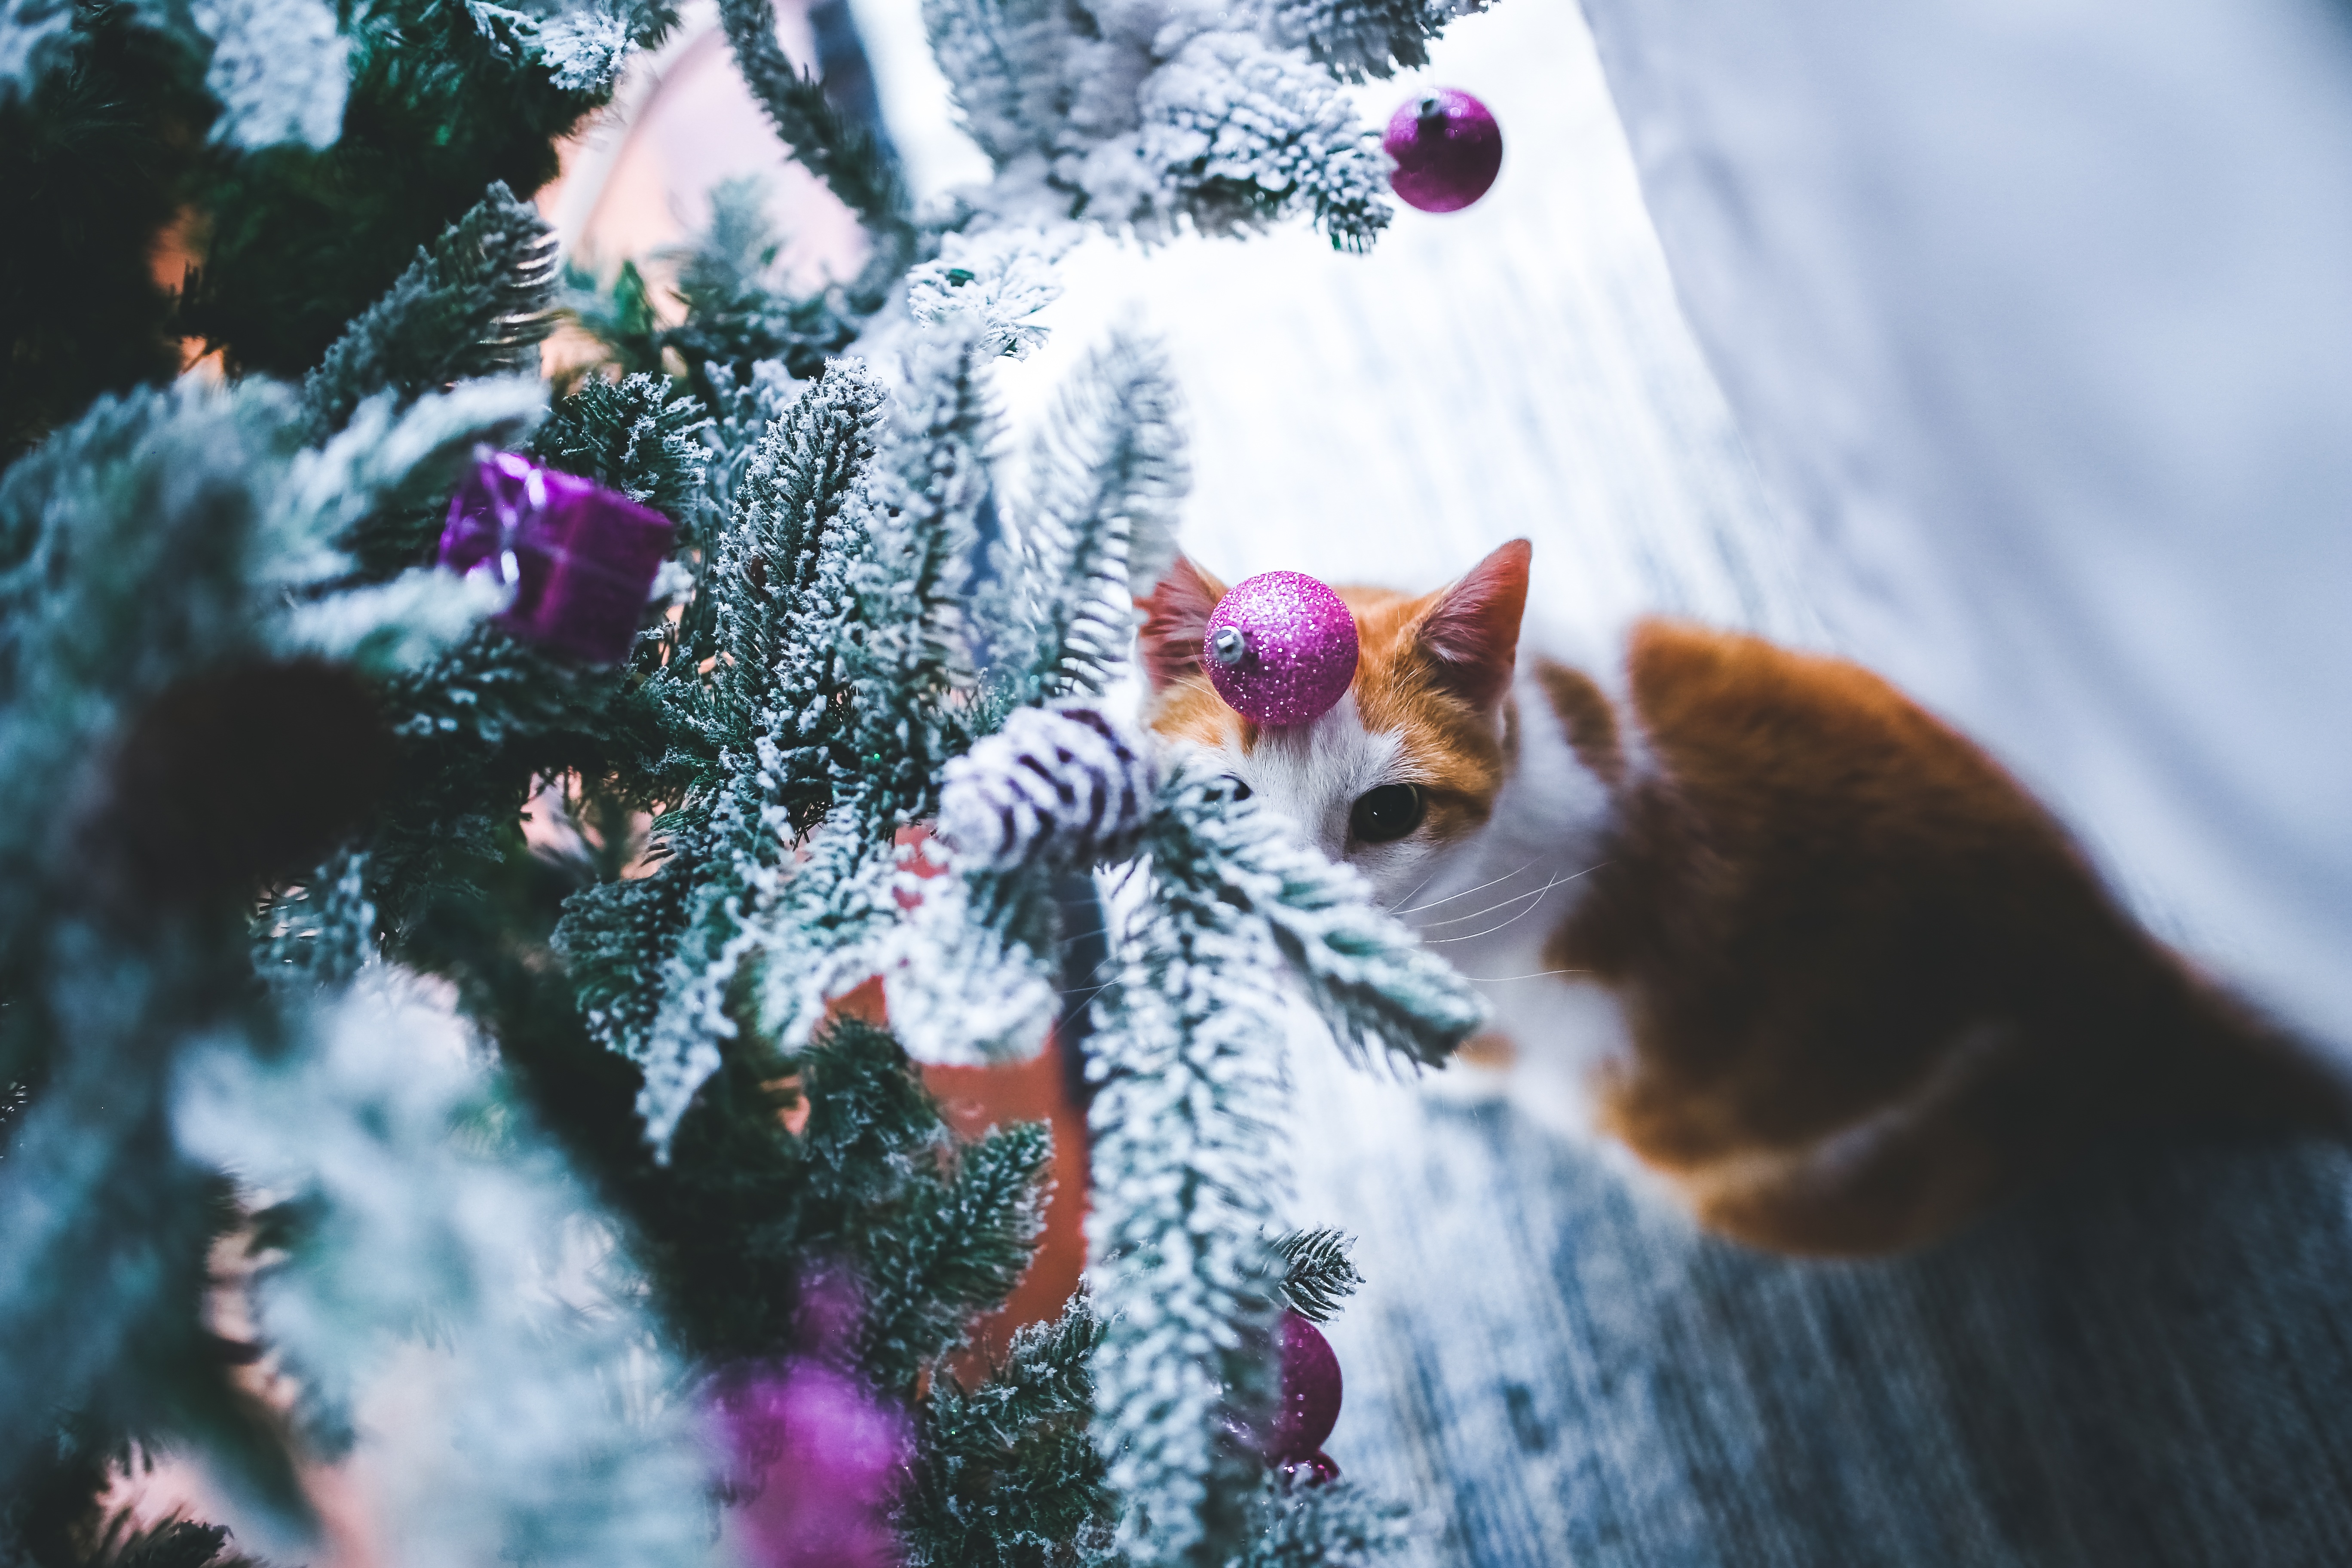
<point x="2174" y="1057"/>
<point x="2218" y="1063"/>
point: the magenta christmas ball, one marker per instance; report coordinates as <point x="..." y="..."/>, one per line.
<point x="1446" y="147"/>
<point x="1280" y="649"/>
<point x="1309" y="1406"/>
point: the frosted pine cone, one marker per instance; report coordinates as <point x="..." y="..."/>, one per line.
<point x="1056" y="785"/>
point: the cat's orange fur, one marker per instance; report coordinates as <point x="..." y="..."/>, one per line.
<point x="1867" y="984"/>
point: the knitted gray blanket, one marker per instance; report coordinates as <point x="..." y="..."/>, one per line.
<point x="2144" y="1363"/>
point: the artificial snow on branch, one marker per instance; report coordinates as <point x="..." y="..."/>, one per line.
<point x="1377" y="989"/>
<point x="1189" y="1186"/>
<point x="1316" y="1273"/>
<point x="1002" y="277"/>
<point x="1107" y="474"/>
<point x="159" y="561"/>
<point x="1153" y="116"/>
<point x="279" y="69"/>
<point x="1362" y="39"/>
<point x="1189" y="1176"/>
<point x="847" y="157"/>
<point x="407" y="1194"/>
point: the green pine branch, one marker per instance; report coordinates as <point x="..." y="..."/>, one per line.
<point x="852" y="162"/>
<point x="476" y="302"/>
<point x="1316" y="1273"/>
<point x="1006" y="1475"/>
<point x="1109" y="473"/>
<point x="956" y="1249"/>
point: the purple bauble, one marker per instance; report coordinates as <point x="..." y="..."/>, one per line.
<point x="1280" y="649"/>
<point x="817" y="1462"/>
<point x="580" y="558"/>
<point x="1447" y="148"/>
<point x="1310" y="1408"/>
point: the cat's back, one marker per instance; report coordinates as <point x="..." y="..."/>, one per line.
<point x="1797" y="762"/>
<point x="1825" y="911"/>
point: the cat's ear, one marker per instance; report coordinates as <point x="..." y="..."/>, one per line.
<point x="1472" y="633"/>
<point x="1175" y="619"/>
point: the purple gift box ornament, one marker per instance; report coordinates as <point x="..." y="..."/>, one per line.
<point x="580" y="558"/>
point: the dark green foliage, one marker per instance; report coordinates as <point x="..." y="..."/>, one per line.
<point x="477" y="725"/>
<point x="1317" y="1274"/>
<point x="735" y="315"/>
<point x="1109" y="473"/>
<point x="485" y="719"/>
<point x="302" y="241"/>
<point x="638" y="437"/>
<point x="53" y="1520"/>
<point x="476" y="303"/>
<point x="957" y="1249"/>
<point x="738" y="314"/>
<point x="1008" y="1477"/>
<point x="775" y="613"/>
<point x="906" y="659"/>
<point x="94" y="161"/>
<point x="103" y="153"/>
<point x="616" y="936"/>
<point x="620" y="316"/>
<point x="174" y="1543"/>
<point x="796" y="713"/>
<point x="160" y="540"/>
<point x="936" y="1232"/>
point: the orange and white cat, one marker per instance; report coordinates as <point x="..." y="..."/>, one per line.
<point x="1841" y="980"/>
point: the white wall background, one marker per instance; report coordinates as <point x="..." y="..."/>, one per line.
<point x="2041" y="311"/>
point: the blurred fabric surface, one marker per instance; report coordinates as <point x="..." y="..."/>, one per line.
<point x="2145" y="1364"/>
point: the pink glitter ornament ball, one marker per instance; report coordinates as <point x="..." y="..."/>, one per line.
<point x="1447" y="149"/>
<point x="1309" y="1406"/>
<point x="1280" y="647"/>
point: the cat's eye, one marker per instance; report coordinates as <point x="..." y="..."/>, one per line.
<point x="1241" y="790"/>
<point x="1387" y="814"/>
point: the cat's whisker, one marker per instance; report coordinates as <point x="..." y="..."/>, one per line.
<point x="1547" y="887"/>
<point x="1506" y="903"/>
<point x="1503" y="979"/>
<point x="1415" y="889"/>
<point x="1437" y="903"/>
<point x="1490" y="908"/>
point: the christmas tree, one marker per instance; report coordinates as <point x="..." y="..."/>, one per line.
<point x="424" y="923"/>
